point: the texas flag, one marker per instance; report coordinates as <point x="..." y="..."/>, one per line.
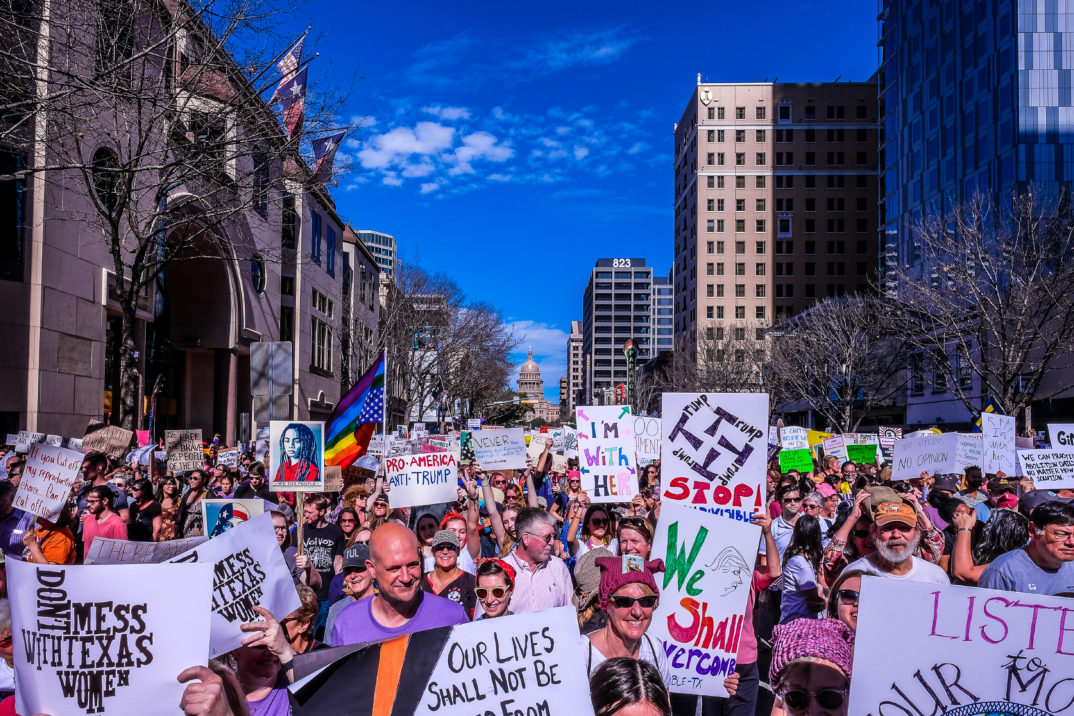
<point x="288" y="65"/>
<point x="293" y="96"/>
<point x="324" y="153"/>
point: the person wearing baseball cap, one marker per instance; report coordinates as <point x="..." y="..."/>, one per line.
<point x="357" y="583"/>
<point x="896" y="534"/>
<point x="447" y="579"/>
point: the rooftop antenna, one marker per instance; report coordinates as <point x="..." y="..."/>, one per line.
<point x="838" y="78"/>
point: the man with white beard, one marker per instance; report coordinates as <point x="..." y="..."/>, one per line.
<point x="895" y="533"/>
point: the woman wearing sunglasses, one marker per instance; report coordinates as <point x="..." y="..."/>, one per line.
<point x="495" y="584"/>
<point x="843" y="600"/>
<point x="597" y="529"/>
<point x="447" y="579"/>
<point x="811" y="664"/>
<point x="628" y="597"/>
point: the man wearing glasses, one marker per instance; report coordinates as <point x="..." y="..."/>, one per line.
<point x="1046" y="564"/>
<point x="542" y="581"/>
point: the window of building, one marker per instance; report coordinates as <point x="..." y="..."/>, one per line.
<point x="810" y="268"/>
<point x="759" y="290"/>
<point x="287" y="285"/>
<point x="709" y="182"/>
<point x="759" y="269"/>
<point x="810" y="112"/>
<point x="810" y="159"/>
<point x="719" y="182"/>
<point x="719" y="312"/>
<point x="259" y="188"/>
<point x="330" y="252"/>
<point x="810" y="226"/>
<point x="709" y="291"/>
<point x="321" y="355"/>
<point x="740" y="112"/>
<point x="740" y="135"/>
<point x="710" y="135"/>
<point x="740" y="269"/>
<point x="287" y="222"/>
<point x="709" y="332"/>
<point x="315" y="252"/>
<point x="740" y="290"/>
<point x="719" y="226"/>
<point x="760" y="112"/>
<point x="740" y="226"/>
<point x="709" y="247"/>
<point x="710" y="225"/>
<point x="784" y="227"/>
<point x="760" y="159"/>
<point x="287" y="323"/>
<point x="710" y="158"/>
<point x="719" y="268"/>
<point x="740" y="312"/>
<point x="719" y="205"/>
<point x="709" y="269"/>
<point x="709" y="311"/>
<point x="759" y="246"/>
<point x="710" y="205"/>
<point x="719" y="158"/>
<point x="740" y="159"/>
<point x="760" y="181"/>
<point x="760" y="226"/>
<point x="719" y="247"/>
<point x="759" y="136"/>
<point x="784" y="113"/>
<point x="759" y="205"/>
<point x="740" y="334"/>
<point x="740" y="247"/>
<point x="719" y="290"/>
<point x="740" y="182"/>
<point x="719" y="112"/>
<point x="759" y="313"/>
<point x="712" y="113"/>
<point x="810" y="203"/>
<point x="720" y="135"/>
<point x="740" y="204"/>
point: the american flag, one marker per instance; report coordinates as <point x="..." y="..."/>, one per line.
<point x="373" y="410"/>
<point x="287" y="66"/>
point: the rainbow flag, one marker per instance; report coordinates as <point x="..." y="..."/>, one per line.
<point x="354" y="420"/>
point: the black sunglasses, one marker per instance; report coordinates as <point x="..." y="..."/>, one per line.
<point x="848" y="596"/>
<point x="828" y="699"/>
<point x="860" y="534"/>
<point x="646" y="602"/>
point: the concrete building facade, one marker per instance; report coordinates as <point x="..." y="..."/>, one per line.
<point x="575" y="370"/>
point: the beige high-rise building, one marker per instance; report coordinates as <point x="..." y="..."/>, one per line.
<point x="575" y="368"/>
<point x="775" y="204"/>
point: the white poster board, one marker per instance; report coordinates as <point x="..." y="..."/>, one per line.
<point x="426" y="479"/>
<point x="597" y="422"/>
<point x="836" y="447"/>
<point x="969" y="449"/>
<point x="1061" y="434"/>
<point x="934" y="454"/>
<point x="793" y="437"/>
<point x="228" y="457"/>
<point x="961" y="651"/>
<point x="999" y="452"/>
<point x="1048" y="469"/>
<point x="647" y="439"/>
<point x="500" y="449"/>
<point x="608" y="469"/>
<point x="709" y="569"/>
<point x="296" y="456"/>
<point x="715" y="450"/>
<point x="47" y="479"/>
<point x="106" y="639"/>
<point x="105" y="550"/>
<point x="248" y="571"/>
<point x="570" y="442"/>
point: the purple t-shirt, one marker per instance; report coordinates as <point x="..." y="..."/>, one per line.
<point x="356" y="624"/>
<point x="275" y="703"/>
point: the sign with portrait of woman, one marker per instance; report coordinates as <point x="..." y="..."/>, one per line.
<point x="296" y="456"/>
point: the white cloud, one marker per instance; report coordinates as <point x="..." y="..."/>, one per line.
<point x="500" y="177"/>
<point x="425" y="138"/>
<point x="429" y="187"/>
<point x="479" y="145"/>
<point x="580" y="153"/>
<point x="392" y="180"/>
<point x="638" y="147"/>
<point x="449" y="114"/>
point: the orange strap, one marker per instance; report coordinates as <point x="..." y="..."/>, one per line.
<point x="389" y="670"/>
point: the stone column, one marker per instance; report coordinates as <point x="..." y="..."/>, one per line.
<point x="232" y="429"/>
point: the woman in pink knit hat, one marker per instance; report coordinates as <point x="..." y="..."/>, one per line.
<point x="811" y="665"/>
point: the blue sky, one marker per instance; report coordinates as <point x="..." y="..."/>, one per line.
<point x="510" y="145"/>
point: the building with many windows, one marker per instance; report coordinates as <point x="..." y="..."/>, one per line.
<point x="616" y="307"/>
<point x="775" y="204"/>
<point x="575" y="372"/>
<point x="382" y="246"/>
<point x="663" y="317"/>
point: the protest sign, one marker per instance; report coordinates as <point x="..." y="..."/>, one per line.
<point x="26" y="438"/>
<point x="376" y="445"/>
<point x="570" y="441"/>
<point x="604" y="421"/>
<point x="835" y="446"/>
<point x="296" y="456"/>
<point x="184" y="450"/>
<point x="499" y="449"/>
<point x="109" y="439"/>
<point x="426" y="479"/>
<point x="520" y="664"/>
<point x="142" y="436"/>
<point x="801" y="459"/>
<point x="968" y="451"/>
<point x="815" y="437"/>
<point x="608" y="470"/>
<point x="888" y="436"/>
<point x="333" y="478"/>
<point x="73" y="444"/>
<point x="54" y="440"/>
<point x="647" y="439"/>
<point x="703" y="594"/>
<point x="11" y="439"/>
<point x="558" y="441"/>
<point x="935" y="454"/>
<point x="960" y="651"/>
<point x="222" y="515"/>
<point x="473" y="423"/>
<point x="1048" y="469"/>
<point x="714" y="450"/>
<point x="228" y="457"/>
<point x="794" y="438"/>
<point x="106" y="639"/>
<point x="47" y="479"/>
<point x="105" y="550"/>
<point x="1061" y="434"/>
<point x="249" y="571"/>
<point x="998" y="452"/>
<point x="862" y="453"/>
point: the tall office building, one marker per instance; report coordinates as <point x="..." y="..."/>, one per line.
<point x="663" y="318"/>
<point x="382" y="246"/>
<point x="975" y="96"/>
<point x="617" y="306"/>
<point x="775" y="204"/>
<point x="575" y="370"/>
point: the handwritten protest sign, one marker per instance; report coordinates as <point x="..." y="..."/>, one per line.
<point x="570" y="441"/>
<point x="969" y="449"/>
<point x="888" y="436"/>
<point x="106" y="639"/>
<point x="794" y="438"/>
<point x="960" y="651"/>
<point x="499" y="449"/>
<point x="647" y="439"/>
<point x="934" y="454"/>
<point x="557" y="441"/>
<point x="425" y="479"/>
<point x="184" y="450"/>
<point x="714" y="450"/>
<point x="473" y="423"/>
<point x="248" y="571"/>
<point x="795" y="460"/>
<point x="998" y="452"/>
<point x="862" y="453"/>
<point x="608" y="469"/>
<point x="228" y="457"/>
<point x="109" y="439"/>
<point x="1061" y="434"/>
<point x="520" y="664"/>
<point x="47" y="479"/>
<point x="1048" y="469"/>
<point x="296" y="456"/>
<point x="703" y="593"/>
<point x="54" y="440"/>
<point x="604" y="421"/>
<point x="835" y="446"/>
<point x="105" y="550"/>
<point x="333" y="478"/>
<point x="815" y="437"/>
<point x="222" y="515"/>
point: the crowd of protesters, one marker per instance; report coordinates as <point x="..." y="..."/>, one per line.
<point x="523" y="542"/>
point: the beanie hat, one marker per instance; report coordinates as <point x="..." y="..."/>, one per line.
<point x="825" y="490"/>
<point x="810" y="639"/>
<point x="616" y="572"/>
<point x="587" y="577"/>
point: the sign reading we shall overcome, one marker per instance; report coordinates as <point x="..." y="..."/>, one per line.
<point x="426" y="479"/>
<point x="714" y="451"/>
<point x="703" y="593"/>
<point x="106" y="639"/>
<point x="961" y="651"/>
<point x="47" y="479"/>
<point x="248" y="571"/>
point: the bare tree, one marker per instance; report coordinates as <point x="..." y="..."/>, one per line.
<point x="441" y="350"/>
<point x="845" y="357"/>
<point x="147" y="117"/>
<point x="991" y="297"/>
